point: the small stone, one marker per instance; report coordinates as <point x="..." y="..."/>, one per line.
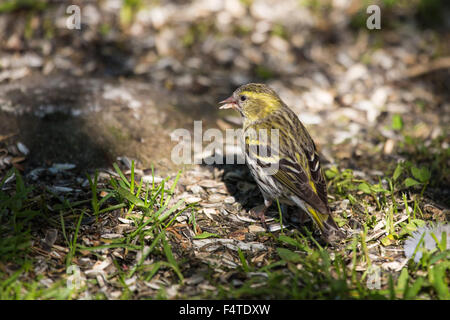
<point x="151" y="179"/>
<point x="191" y="200"/>
<point x="57" y="167"/>
<point x="229" y="200"/>
<point x="61" y="189"/>
<point x="181" y="218"/>
<point x="215" y="198"/>
<point x="23" y="148"/>
<point x="115" y="294"/>
<point x="126" y="221"/>
<point x="356" y="72"/>
<point x="394" y="266"/>
<point x="279" y="44"/>
<point x="209" y="184"/>
<point x="255" y="228"/>
<point x="208" y="211"/>
<point x="389" y="146"/>
<point x="235" y="8"/>
<point x="111" y="236"/>
<point x="195" y="189"/>
<point x="225" y="55"/>
<point x="274" y="227"/>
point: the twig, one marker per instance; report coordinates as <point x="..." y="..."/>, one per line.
<point x="380" y="233"/>
<point x="418" y="70"/>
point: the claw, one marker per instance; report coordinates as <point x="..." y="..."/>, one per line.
<point x="260" y="211"/>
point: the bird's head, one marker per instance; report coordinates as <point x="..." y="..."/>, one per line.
<point x="254" y="101"/>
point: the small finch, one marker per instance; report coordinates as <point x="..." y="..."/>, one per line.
<point x="281" y="156"/>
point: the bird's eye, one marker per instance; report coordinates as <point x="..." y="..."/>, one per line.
<point x="243" y="98"/>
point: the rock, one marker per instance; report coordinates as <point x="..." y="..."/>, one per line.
<point x="356" y="72"/>
<point x="235" y="8"/>
<point x="196" y="189"/>
<point x="190" y="200"/>
<point x="388" y="146"/>
<point x="23" y="148"/>
<point x="111" y="236"/>
<point x="255" y="228"/>
<point x="209" y="211"/>
<point x="215" y="198"/>
<point x="229" y="200"/>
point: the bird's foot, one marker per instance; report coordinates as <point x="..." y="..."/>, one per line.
<point x="302" y="216"/>
<point x="333" y="235"/>
<point x="259" y="212"/>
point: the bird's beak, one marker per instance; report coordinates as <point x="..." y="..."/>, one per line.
<point x="228" y="103"/>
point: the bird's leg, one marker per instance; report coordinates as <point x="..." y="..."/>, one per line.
<point x="260" y="211"/>
<point x="284" y="210"/>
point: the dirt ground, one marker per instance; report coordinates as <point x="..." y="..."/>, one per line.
<point x="115" y="90"/>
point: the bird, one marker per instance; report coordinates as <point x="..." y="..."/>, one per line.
<point x="281" y="156"/>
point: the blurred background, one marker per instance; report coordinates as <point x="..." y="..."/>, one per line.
<point x="136" y="70"/>
<point x="78" y="100"/>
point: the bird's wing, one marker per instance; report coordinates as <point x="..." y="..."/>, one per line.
<point x="300" y="183"/>
<point x="294" y="163"/>
<point x="298" y="161"/>
<point x="297" y="165"/>
<point x="315" y="170"/>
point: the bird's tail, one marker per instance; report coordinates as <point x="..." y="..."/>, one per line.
<point x="330" y="230"/>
